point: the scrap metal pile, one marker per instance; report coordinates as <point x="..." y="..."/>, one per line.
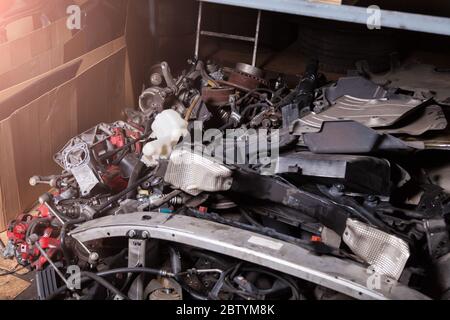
<point x="227" y="184"/>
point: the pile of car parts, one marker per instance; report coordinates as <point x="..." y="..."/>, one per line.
<point x="227" y="185"/>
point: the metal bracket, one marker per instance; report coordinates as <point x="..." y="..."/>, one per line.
<point x="136" y="258"/>
<point x="347" y="277"/>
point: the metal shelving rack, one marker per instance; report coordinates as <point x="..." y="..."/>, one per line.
<point x="201" y="32"/>
<point x="348" y="13"/>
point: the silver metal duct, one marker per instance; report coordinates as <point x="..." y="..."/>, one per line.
<point x="387" y="254"/>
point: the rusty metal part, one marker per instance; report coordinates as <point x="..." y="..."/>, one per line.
<point x="245" y="77"/>
<point x="250" y="70"/>
<point x="246" y="81"/>
<point x="217" y="96"/>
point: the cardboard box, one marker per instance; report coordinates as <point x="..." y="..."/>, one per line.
<point x="15" y="53"/>
<point x="60" y="46"/>
<point x="38" y="117"/>
<point x="19" y="28"/>
<point x="17" y="96"/>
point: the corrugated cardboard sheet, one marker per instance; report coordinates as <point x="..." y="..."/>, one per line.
<point x="15" y="53"/>
<point x="52" y="46"/>
<point x="17" y="96"/>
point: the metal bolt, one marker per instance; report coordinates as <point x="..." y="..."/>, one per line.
<point x="132" y="234"/>
<point x="93" y="257"/>
<point x="156" y="79"/>
<point x="46" y="197"/>
<point x="145" y="235"/>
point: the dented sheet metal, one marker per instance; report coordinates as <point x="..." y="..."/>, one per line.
<point x="373" y="113"/>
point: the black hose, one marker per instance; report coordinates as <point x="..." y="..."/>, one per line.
<point x="253" y="91"/>
<point x="250" y="219"/>
<point x="88" y="276"/>
<point x="286" y="100"/>
<point x="252" y="107"/>
<point x="123" y="193"/>
<point x="191" y="292"/>
<point x="110" y="154"/>
<point x="119" y="159"/>
<point x="352" y="207"/>
<point x="175" y="260"/>
<point x="33" y="225"/>
<point x="104" y="283"/>
<point x="137" y="170"/>
<point x="390" y="209"/>
<point x="287" y="281"/>
<point x="67" y="255"/>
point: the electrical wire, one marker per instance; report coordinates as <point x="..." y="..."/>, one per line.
<point x="192" y="107"/>
<point x="13" y="271"/>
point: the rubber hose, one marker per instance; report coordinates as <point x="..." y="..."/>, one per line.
<point x="67" y="255"/>
<point x="157" y="272"/>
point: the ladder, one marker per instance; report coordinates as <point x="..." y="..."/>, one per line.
<point x="200" y="32"/>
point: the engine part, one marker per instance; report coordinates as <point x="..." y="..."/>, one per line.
<point x="250" y="70"/>
<point x="79" y="162"/>
<point x="25" y="225"/>
<point x="387" y="254"/>
<point x="246" y="77"/>
<point x="356" y="87"/>
<point x="168" y="128"/>
<point x="305" y="89"/>
<point x="164" y="289"/>
<point x="83" y="155"/>
<point x="277" y="191"/>
<point x="437" y="237"/>
<point x="95" y="138"/>
<point x="153" y="100"/>
<point x="217" y="97"/>
<point x="194" y="173"/>
<point x="52" y="181"/>
<point x="442" y="267"/>
<point x="341" y="275"/>
<point x="300" y="101"/>
<point x="358" y="173"/>
<point x="371" y="113"/>
<point x="334" y="138"/>
<point x="288" y="221"/>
